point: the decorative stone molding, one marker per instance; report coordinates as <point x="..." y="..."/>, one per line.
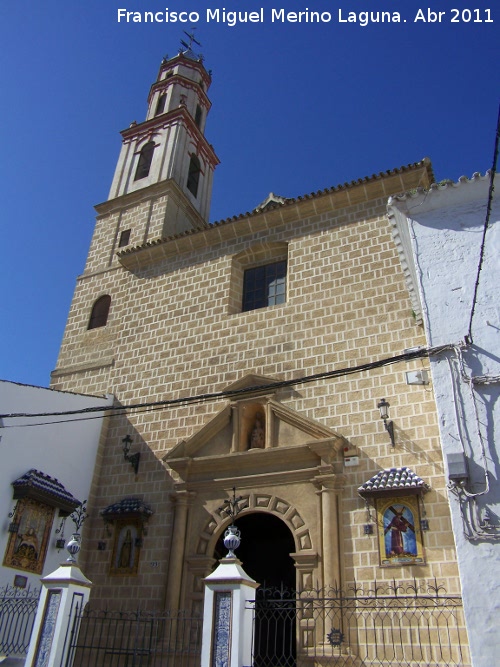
<point x="252" y="503"/>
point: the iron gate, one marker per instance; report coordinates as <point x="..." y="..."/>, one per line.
<point x="17" y="615"/>
<point x="395" y="625"/>
<point x="100" y="638"/>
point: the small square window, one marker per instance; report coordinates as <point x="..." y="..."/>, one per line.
<point x="264" y="286"/>
<point x="124" y="238"/>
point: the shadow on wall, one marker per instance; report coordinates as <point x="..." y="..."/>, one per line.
<point x="405" y="443"/>
<point x="122" y="542"/>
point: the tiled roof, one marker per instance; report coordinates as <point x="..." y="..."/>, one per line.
<point x="288" y="201"/>
<point x="127" y="506"/>
<point x="392" y="481"/>
<point x="46" y="489"/>
<point x="417" y="202"/>
<point x="442" y="185"/>
<point x="337" y="188"/>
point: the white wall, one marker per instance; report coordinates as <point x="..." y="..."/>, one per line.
<point x="66" y="451"/>
<point x="439" y="234"/>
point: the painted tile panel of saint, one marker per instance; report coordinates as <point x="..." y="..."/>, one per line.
<point x="27" y="548"/>
<point x="400" y="540"/>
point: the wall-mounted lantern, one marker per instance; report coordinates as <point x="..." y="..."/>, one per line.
<point x="368" y="526"/>
<point x="13" y="525"/>
<point x="60" y="541"/>
<point x="383" y="406"/>
<point x="133" y="459"/>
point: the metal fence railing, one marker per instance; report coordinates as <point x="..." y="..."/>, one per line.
<point x="395" y="625"/>
<point x="100" y="638"/>
<point x="17" y="615"/>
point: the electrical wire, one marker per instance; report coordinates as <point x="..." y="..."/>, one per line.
<point x="469" y="382"/>
<point x="491" y="190"/>
<point x="202" y="398"/>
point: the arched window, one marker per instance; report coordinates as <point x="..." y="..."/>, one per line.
<point x="145" y="159"/>
<point x="194" y="175"/>
<point x="160" y="106"/>
<point x="198" y="115"/>
<point x="100" y="312"/>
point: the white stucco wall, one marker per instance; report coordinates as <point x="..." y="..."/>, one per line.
<point x="66" y="451"/>
<point x="440" y="235"/>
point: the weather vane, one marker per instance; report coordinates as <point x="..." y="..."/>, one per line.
<point x="190" y="36"/>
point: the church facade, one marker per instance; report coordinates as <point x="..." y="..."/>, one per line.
<point x="251" y="354"/>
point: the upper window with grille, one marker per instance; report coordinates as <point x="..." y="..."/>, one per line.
<point x="264" y="286"/>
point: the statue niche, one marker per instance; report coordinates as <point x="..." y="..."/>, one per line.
<point x="254" y="427"/>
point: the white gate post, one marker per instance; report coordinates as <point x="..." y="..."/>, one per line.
<point x="227" y="620"/>
<point x="62" y="592"/>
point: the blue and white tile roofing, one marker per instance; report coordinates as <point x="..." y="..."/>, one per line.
<point x="37" y="484"/>
<point x="393" y="480"/>
<point x="127" y="506"/>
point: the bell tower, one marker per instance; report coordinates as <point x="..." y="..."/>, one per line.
<point x="170" y="145"/>
<point x="162" y="184"/>
<point x="161" y="188"/>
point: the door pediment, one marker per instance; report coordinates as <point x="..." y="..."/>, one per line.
<point x="255" y="435"/>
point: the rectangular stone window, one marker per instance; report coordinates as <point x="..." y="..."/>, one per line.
<point x="124" y="238"/>
<point x="264" y="286"/>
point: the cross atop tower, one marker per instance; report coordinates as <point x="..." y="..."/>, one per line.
<point x="186" y="48"/>
<point x="190" y="36"/>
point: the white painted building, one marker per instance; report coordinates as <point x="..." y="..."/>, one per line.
<point x="51" y="462"/>
<point x="451" y="258"/>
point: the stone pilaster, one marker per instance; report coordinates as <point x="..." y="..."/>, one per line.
<point x="330" y="493"/>
<point x="182" y="502"/>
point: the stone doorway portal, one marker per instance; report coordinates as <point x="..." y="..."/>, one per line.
<point x="266" y="545"/>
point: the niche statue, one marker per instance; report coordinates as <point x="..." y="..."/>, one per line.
<point x="258" y="434"/>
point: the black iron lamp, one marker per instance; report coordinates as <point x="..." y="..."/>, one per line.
<point x="383" y="406"/>
<point x="60" y="541"/>
<point x="133" y="459"/>
<point x="13" y="525"/>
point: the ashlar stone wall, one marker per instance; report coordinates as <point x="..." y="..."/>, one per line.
<point x="172" y="332"/>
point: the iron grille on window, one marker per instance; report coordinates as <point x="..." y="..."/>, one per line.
<point x="264" y="286"/>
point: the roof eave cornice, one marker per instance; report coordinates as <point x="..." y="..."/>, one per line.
<point x="279" y="214"/>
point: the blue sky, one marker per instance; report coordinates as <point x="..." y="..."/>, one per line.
<point x="296" y="108"/>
